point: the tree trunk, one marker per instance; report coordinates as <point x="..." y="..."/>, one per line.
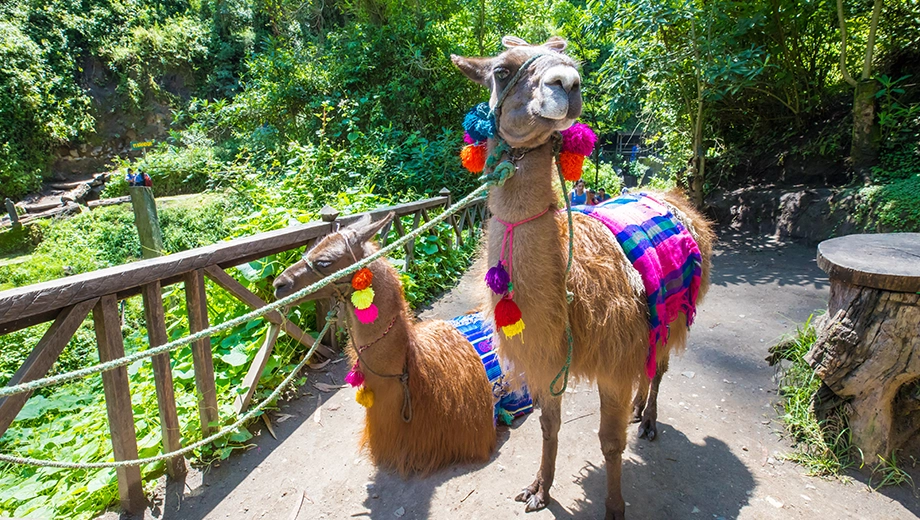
<point x="698" y="168"/>
<point x="866" y="134"/>
<point x="867" y="354"/>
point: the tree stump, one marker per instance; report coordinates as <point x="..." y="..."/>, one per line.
<point x="868" y="346"/>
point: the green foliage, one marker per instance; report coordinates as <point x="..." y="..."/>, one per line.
<point x="891" y="207"/>
<point x="107" y="237"/>
<point x="823" y="448"/>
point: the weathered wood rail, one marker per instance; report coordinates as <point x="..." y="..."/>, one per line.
<point x="68" y="301"/>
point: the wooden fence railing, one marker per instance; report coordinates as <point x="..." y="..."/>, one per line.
<point x="68" y="301"/>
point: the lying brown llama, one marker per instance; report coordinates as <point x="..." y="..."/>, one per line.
<point x="609" y="314"/>
<point x="451" y="410"/>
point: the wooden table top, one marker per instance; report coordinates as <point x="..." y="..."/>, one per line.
<point x="887" y="261"/>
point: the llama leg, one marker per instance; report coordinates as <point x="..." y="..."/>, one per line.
<point x="638" y="405"/>
<point x="648" y="428"/>
<point x="536" y="495"/>
<point x="614" y="414"/>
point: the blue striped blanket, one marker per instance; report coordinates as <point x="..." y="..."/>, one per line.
<point x="509" y="403"/>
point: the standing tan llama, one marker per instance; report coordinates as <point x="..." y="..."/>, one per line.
<point x="609" y="313"/>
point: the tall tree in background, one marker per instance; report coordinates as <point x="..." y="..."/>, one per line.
<point x="864" y="149"/>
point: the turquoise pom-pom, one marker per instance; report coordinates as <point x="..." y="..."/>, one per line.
<point x="479" y="122"/>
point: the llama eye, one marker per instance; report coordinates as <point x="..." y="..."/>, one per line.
<point x="500" y="72"/>
<point x="322" y="264"/>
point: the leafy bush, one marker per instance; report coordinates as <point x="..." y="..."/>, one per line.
<point x="892" y="207"/>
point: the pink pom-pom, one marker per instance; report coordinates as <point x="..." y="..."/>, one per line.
<point x="467" y="139"/>
<point x="368" y="315"/>
<point x="579" y="138"/>
<point x="355" y="378"/>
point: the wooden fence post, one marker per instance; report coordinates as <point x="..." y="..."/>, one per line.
<point x="328" y="214"/>
<point x="197" y="304"/>
<point x="118" y="403"/>
<point x="162" y="378"/>
<point x="11" y="209"/>
<point x="146" y="220"/>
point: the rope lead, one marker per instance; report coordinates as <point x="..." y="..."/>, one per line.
<point x="569" y="296"/>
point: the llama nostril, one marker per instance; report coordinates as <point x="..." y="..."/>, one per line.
<point x="282" y="287"/>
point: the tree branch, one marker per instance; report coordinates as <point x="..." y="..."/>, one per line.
<point x="870" y="46"/>
<point x="843" y="45"/>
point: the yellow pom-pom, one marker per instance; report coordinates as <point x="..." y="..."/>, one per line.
<point x="365" y="397"/>
<point x="473" y="157"/>
<point x="363" y="299"/>
<point x="571" y="164"/>
<point x="514" y="329"/>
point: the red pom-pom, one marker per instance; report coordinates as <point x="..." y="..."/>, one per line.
<point x="362" y="279"/>
<point x="507" y="313"/>
<point x="473" y="157"/>
<point x="571" y="164"/>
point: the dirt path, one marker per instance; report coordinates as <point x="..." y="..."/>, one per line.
<point x="718" y="454"/>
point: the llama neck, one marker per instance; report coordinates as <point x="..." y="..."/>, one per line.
<point x="538" y="265"/>
<point x="530" y="190"/>
<point x="386" y="340"/>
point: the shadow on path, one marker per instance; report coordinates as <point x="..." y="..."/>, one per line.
<point x="672" y="478"/>
<point x="388" y="494"/>
<point x="761" y="259"/>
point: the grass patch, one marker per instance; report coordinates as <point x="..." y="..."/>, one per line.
<point x="823" y="447"/>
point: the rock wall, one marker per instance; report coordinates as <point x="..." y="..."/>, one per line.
<point x="799" y="213"/>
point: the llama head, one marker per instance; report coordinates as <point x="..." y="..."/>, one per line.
<point x="546" y="98"/>
<point x="334" y="252"/>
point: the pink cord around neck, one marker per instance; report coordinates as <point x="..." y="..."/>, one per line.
<point x="508" y="241"/>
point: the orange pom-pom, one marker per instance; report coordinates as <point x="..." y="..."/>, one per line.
<point x="362" y="279"/>
<point x="473" y="157"/>
<point x="571" y="164"/>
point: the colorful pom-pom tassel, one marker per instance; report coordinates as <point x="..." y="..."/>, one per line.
<point x="571" y="164"/>
<point x="363" y="299"/>
<point x="479" y="122"/>
<point x="513" y="330"/>
<point x="508" y="317"/>
<point x="368" y="315"/>
<point x="365" y="397"/>
<point x="362" y="279"/>
<point x="507" y="312"/>
<point x="467" y="139"/>
<point x="579" y="138"/>
<point x="355" y="377"/>
<point x="473" y="157"/>
<point x="497" y="278"/>
<point x="504" y="416"/>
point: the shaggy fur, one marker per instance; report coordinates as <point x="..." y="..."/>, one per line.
<point x="609" y="313"/>
<point x="452" y="408"/>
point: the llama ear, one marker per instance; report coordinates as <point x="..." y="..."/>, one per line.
<point x="365" y="230"/>
<point x="477" y="69"/>
<point x="513" y="41"/>
<point x="556" y="44"/>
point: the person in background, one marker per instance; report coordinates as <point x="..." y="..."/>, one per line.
<point x="578" y="195"/>
<point x="602" y="195"/>
<point x="591" y="199"/>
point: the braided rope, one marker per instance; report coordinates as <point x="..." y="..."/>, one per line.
<point x="176" y="344"/>
<point x="330" y="319"/>
<point x="569" y="297"/>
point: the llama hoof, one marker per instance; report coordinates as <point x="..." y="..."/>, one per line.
<point x="615" y="515"/>
<point x="648" y="430"/>
<point x="535" y="500"/>
<point x="636" y="415"/>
